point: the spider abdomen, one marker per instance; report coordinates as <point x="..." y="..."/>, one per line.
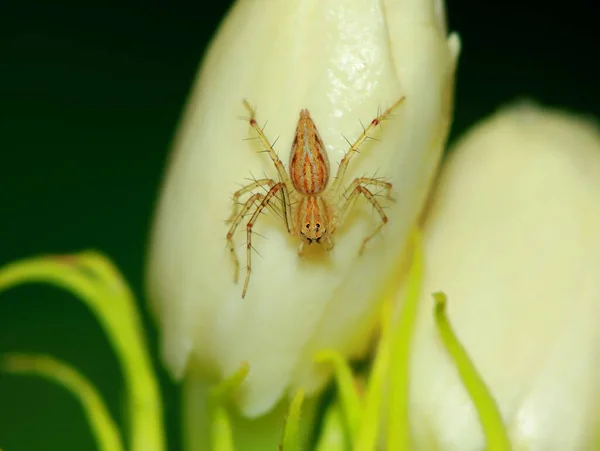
<point x="309" y="165"/>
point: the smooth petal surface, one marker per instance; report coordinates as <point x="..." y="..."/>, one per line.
<point x="512" y="239"/>
<point x="342" y="60"/>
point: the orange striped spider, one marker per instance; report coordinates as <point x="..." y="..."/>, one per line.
<point x="310" y="209"/>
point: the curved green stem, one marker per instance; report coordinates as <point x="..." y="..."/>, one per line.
<point x="103" y="426"/>
<point x="93" y="279"/>
<point x="489" y="415"/>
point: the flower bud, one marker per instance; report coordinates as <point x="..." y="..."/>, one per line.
<point x="512" y="239"/>
<point x="342" y="61"/>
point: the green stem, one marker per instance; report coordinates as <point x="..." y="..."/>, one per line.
<point x="398" y="432"/>
<point x="489" y="415"/>
<point x="93" y="279"/>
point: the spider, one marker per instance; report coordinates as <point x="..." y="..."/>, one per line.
<point x="309" y="208"/>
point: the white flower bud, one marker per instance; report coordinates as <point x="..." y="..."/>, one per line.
<point x="513" y="239"/>
<point x="342" y="60"/>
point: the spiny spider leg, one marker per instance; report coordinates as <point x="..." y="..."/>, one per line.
<point x="335" y="186"/>
<point x="237" y="217"/>
<point x="283" y="175"/>
<point x="257" y="197"/>
<point x="244" y="190"/>
<point x="265" y="201"/>
<point x="357" y="188"/>
<point x="365" y="181"/>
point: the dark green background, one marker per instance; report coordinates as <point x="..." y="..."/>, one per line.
<point x="89" y="99"/>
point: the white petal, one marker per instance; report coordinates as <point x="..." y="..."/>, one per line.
<point x="512" y="239"/>
<point x="342" y="60"/>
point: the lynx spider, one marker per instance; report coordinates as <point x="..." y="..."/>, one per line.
<point x="309" y="209"/>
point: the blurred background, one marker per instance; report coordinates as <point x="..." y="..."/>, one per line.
<point x="90" y="95"/>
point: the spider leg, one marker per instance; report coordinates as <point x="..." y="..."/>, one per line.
<point x="361" y="139"/>
<point x="365" y="181"/>
<point x="246" y="189"/>
<point x="235" y="222"/>
<point x="266" y="185"/>
<point x="357" y="188"/>
<point x="283" y="175"/>
<point x="264" y="202"/>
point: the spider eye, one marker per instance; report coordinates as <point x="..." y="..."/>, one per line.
<point x="308" y="226"/>
<point x="318" y="226"/>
